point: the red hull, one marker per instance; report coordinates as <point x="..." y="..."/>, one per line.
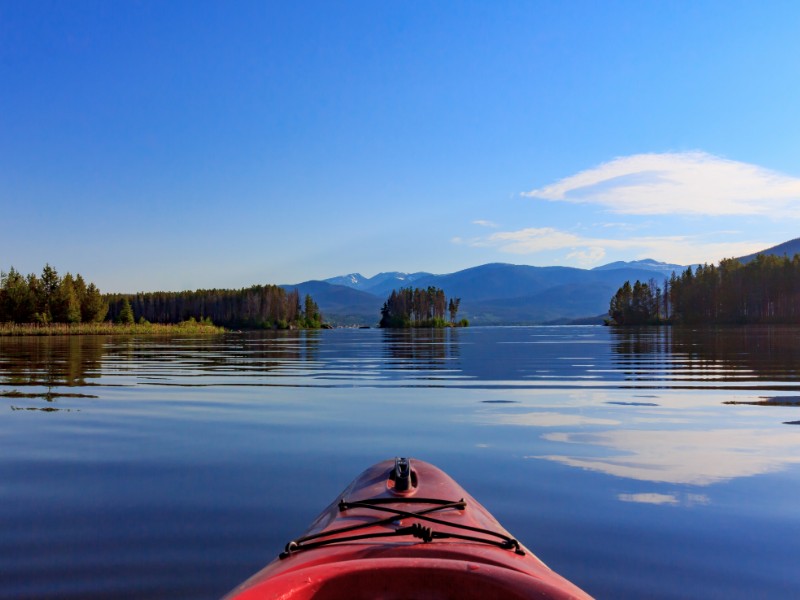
<point x="379" y="540"/>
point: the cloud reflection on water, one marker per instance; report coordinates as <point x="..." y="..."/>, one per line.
<point x="547" y="419"/>
<point x="682" y="457"/>
<point x="649" y="498"/>
<point x="665" y="499"/>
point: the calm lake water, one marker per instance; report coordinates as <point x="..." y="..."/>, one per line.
<point x="155" y="468"/>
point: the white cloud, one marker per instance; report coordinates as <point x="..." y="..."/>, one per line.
<point x="590" y="256"/>
<point x="687" y="183"/>
<point x="623" y="226"/>
<point x="485" y="223"/>
<point x="531" y="240"/>
<point x="587" y="251"/>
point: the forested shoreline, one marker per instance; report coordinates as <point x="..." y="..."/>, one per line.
<point x="47" y="302"/>
<point x="765" y="290"/>
<point x="417" y="307"/>
<point x="256" y="307"/>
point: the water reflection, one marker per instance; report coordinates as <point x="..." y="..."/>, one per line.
<point x="642" y="437"/>
<point x="194" y="455"/>
<point x="737" y="355"/>
<point x="769" y="401"/>
<point x="43" y="368"/>
<point x="534" y="357"/>
<point x="50" y="361"/>
<point x="429" y="349"/>
<point x="665" y="499"/>
<point x="687" y="457"/>
<point x="187" y="360"/>
<point x="657" y="440"/>
<point x="431" y="355"/>
<point x="547" y="419"/>
<point x="649" y="498"/>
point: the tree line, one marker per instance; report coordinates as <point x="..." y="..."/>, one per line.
<point x="256" y="307"/>
<point x="764" y="290"/>
<point x="49" y="298"/>
<point x="418" y="307"/>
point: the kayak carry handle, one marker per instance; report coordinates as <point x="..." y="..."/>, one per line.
<point x="402" y="474"/>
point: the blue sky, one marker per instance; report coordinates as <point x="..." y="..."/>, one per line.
<point x="182" y="145"/>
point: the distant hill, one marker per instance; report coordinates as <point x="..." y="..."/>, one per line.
<point x="500" y="280"/>
<point x="491" y="294"/>
<point x="342" y="305"/>
<point x="789" y="249"/>
<point x="663" y="269"/>
<point x="500" y="293"/>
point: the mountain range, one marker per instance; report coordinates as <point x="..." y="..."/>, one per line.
<point x="499" y="293"/>
<point x="789" y="249"/>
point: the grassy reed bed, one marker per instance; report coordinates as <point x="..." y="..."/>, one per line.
<point x="184" y="327"/>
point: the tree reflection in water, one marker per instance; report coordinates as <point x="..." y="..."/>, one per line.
<point x="725" y="354"/>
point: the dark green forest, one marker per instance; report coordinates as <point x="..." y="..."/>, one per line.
<point x="256" y="307"/>
<point x="764" y="290"/>
<point x="51" y="298"/>
<point x="417" y="307"/>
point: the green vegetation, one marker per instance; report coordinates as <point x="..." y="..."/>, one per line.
<point x="640" y="304"/>
<point x="416" y="307"/>
<point x="312" y="318"/>
<point x="256" y="307"/>
<point x="125" y="316"/>
<point x="107" y="328"/>
<point x="54" y="305"/>
<point x="49" y="298"/>
<point x="765" y="290"/>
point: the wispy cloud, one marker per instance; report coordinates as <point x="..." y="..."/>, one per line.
<point x="484" y="223"/>
<point x="587" y="250"/>
<point x="687" y="183"/>
<point x="535" y="239"/>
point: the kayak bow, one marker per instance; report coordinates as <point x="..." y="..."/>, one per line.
<point x="406" y="531"/>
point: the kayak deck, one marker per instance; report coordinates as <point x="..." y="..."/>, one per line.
<point x="406" y="530"/>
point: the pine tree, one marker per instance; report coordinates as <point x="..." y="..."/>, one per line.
<point x="311" y="312"/>
<point x="94" y="308"/>
<point x="18" y="303"/>
<point x="48" y="289"/>
<point x="126" y="313"/>
<point x="66" y="308"/>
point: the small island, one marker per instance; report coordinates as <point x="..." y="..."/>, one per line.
<point x="417" y="307"/>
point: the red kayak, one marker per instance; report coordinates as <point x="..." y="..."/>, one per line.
<point x="400" y="531"/>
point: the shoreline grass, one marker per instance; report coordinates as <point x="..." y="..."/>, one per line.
<point x="107" y="328"/>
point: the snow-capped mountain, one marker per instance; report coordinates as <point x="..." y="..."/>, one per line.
<point x="659" y="268"/>
<point x="352" y="280"/>
<point x="378" y="284"/>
